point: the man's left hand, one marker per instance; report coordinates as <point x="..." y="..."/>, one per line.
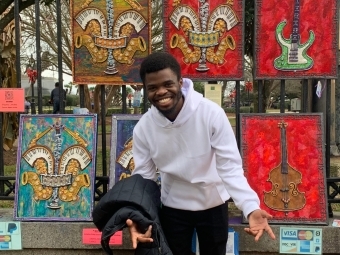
<point x="258" y="223"/>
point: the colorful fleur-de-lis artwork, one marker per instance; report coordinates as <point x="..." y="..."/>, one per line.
<point x="121" y="158"/>
<point x="110" y="39"/>
<point x="206" y="37"/>
<point x="56" y="166"/>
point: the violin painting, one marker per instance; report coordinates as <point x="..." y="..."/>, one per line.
<point x="284" y="195"/>
<point x="283" y="161"/>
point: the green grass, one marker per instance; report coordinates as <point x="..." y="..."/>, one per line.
<point x="10" y="170"/>
<point x="107" y="128"/>
<point x="232" y="121"/>
<point x="99" y="162"/>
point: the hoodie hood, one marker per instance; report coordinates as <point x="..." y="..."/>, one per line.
<point x="192" y="100"/>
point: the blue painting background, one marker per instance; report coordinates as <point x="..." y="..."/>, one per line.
<point x="25" y="205"/>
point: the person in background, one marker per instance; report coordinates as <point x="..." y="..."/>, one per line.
<point x="190" y="141"/>
<point x="27" y="105"/>
<point x="55" y="99"/>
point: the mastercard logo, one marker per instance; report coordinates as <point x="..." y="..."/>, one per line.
<point x="305" y="235"/>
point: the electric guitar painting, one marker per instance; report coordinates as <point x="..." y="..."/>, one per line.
<point x="294" y="56"/>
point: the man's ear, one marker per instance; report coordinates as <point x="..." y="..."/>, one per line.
<point x="180" y="82"/>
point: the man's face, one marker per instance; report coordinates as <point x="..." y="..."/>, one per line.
<point x="164" y="92"/>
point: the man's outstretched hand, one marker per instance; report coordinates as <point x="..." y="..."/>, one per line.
<point x="258" y="223"/>
<point x="136" y="236"/>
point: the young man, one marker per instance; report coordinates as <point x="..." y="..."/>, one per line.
<point x="190" y="141"/>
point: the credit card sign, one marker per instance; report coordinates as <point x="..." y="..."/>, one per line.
<point x="300" y="240"/>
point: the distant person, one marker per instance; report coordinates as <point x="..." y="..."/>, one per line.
<point x="27" y="105"/>
<point x="55" y="99"/>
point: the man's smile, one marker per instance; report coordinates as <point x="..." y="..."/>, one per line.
<point x="164" y="101"/>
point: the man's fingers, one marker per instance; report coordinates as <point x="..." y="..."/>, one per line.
<point x="129" y="223"/>
<point x="146" y="238"/>
<point x="136" y="236"/>
<point x="143" y="239"/>
<point x="134" y="242"/>
<point x="258" y="235"/>
<point x="251" y="232"/>
<point x="266" y="215"/>
<point x="148" y="232"/>
<point x="270" y="233"/>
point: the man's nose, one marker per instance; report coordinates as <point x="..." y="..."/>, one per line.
<point x="161" y="91"/>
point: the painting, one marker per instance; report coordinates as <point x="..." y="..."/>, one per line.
<point x="121" y="157"/>
<point x="283" y="160"/>
<point x="296" y="39"/>
<point x="56" y="167"/>
<point x="109" y="40"/>
<point x="206" y="37"/>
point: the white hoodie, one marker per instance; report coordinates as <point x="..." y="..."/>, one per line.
<point x="197" y="156"/>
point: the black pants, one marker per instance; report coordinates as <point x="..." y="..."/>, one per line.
<point x="211" y="227"/>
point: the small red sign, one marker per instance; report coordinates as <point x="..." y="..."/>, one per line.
<point x="93" y="236"/>
<point x="12" y="100"/>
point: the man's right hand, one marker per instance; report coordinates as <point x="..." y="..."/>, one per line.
<point x="136" y="236"/>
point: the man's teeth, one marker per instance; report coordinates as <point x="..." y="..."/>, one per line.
<point x="164" y="100"/>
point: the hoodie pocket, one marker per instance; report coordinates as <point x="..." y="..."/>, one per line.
<point x="189" y="196"/>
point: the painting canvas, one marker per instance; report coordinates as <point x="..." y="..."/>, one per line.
<point x="121" y="158"/>
<point x="56" y="167"/>
<point x="283" y="159"/>
<point x="296" y="39"/>
<point x="206" y="37"/>
<point x="109" y="40"/>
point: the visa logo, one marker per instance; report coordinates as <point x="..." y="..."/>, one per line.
<point x="289" y="233"/>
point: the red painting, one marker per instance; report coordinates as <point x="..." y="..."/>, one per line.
<point x="296" y="39"/>
<point x="283" y="160"/>
<point x="206" y="37"/>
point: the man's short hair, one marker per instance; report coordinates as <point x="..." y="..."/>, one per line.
<point x="158" y="61"/>
<point x="56" y="84"/>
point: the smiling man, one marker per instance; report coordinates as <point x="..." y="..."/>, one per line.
<point x="190" y="141"/>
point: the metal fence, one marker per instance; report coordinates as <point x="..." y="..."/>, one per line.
<point x="7" y="183"/>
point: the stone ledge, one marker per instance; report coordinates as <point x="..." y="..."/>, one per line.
<point x="65" y="238"/>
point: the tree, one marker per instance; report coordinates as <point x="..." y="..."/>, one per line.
<point x="8" y="7"/>
<point x="199" y="87"/>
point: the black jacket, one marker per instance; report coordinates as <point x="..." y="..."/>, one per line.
<point x="132" y="198"/>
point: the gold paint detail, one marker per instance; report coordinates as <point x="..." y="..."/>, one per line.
<point x="40" y="192"/>
<point x="134" y="4"/>
<point x="218" y="58"/>
<point x="38" y="136"/>
<point x="98" y="55"/>
<point x="80" y="140"/>
<point x="190" y="56"/>
<point x="70" y="193"/>
<point x="126" y="56"/>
